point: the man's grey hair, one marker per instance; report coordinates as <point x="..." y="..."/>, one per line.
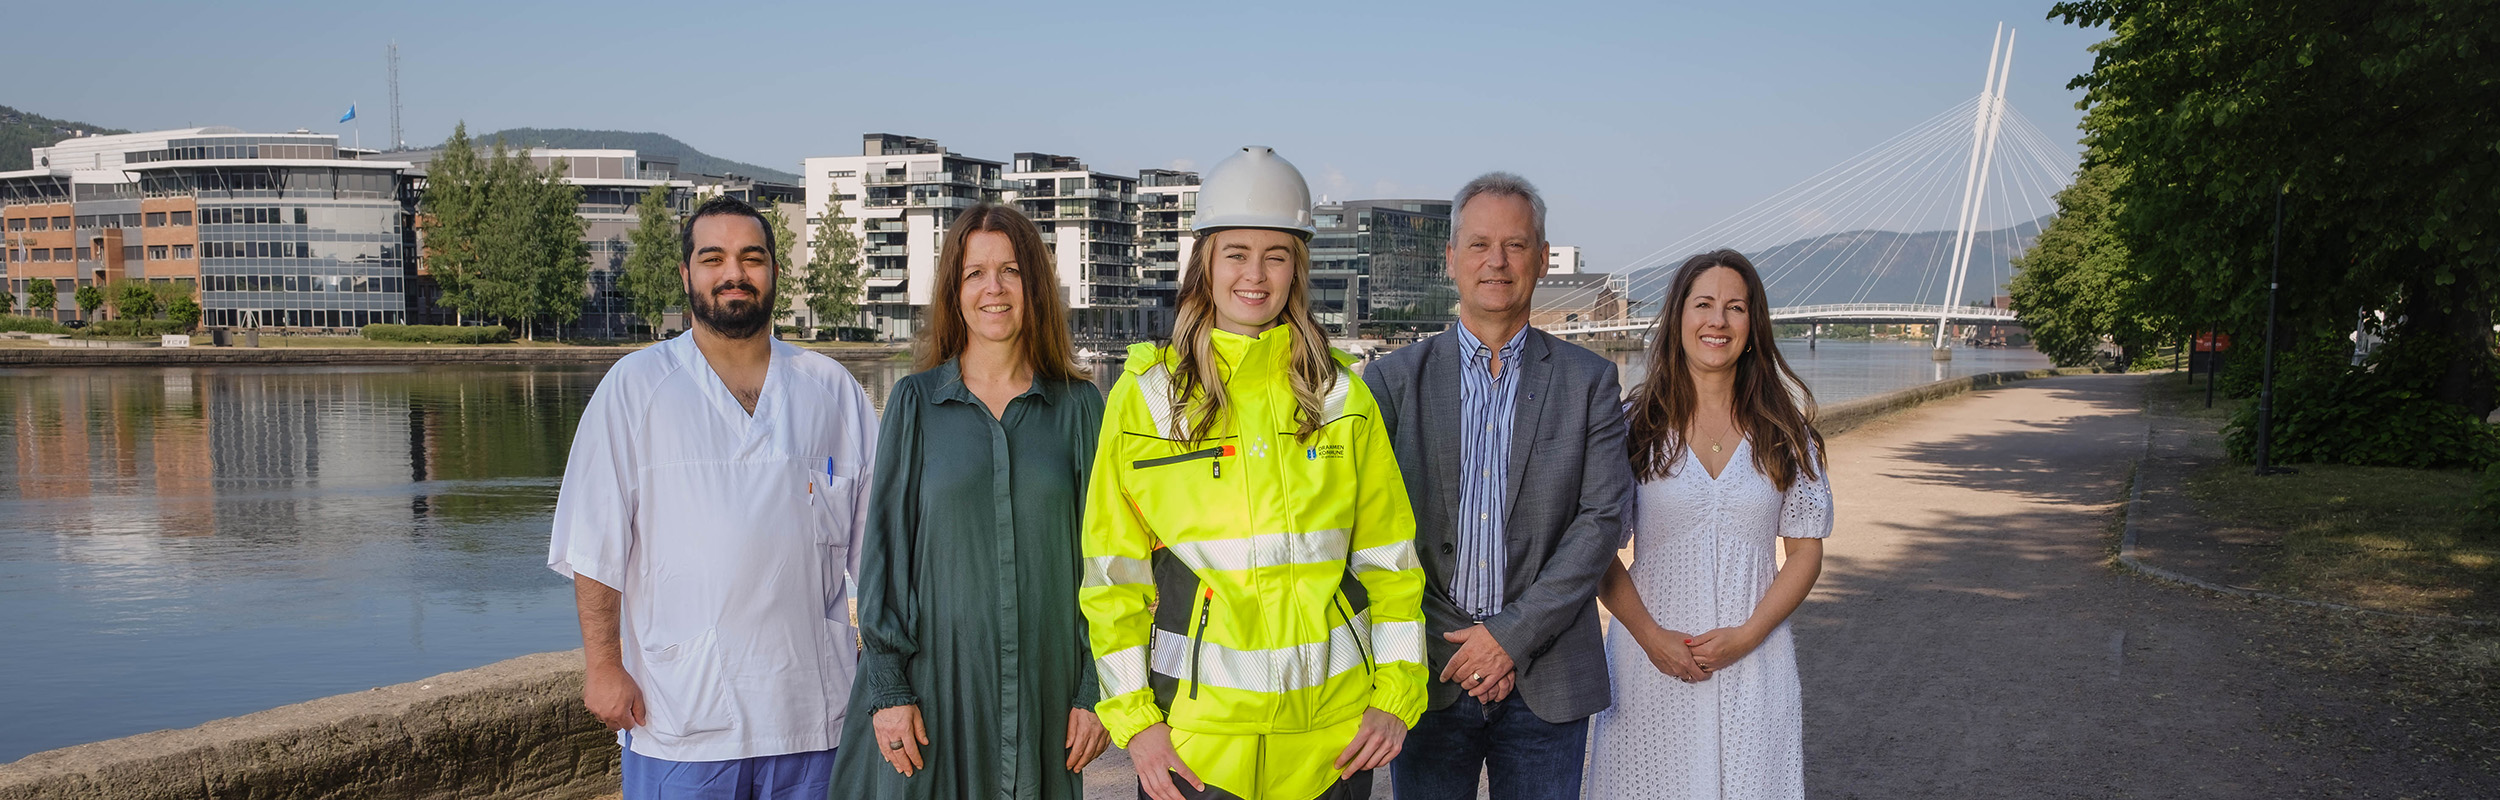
<point x="1500" y="183"/>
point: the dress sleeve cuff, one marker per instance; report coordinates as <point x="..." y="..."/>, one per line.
<point x="883" y="679"/>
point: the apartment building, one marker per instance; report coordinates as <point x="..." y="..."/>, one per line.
<point x="1167" y="202"/>
<point x="1090" y="220"/>
<point x="1575" y="298"/>
<point x="277" y="230"/>
<point x="901" y="192"/>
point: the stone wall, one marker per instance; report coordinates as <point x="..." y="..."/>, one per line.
<point x="513" y="729"/>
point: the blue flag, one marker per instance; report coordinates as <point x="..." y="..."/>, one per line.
<point x="351" y="113"/>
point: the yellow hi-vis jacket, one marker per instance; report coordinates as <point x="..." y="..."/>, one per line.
<point x="1267" y="640"/>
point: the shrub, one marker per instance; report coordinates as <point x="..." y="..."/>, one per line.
<point x="16" y="324"/>
<point x="2381" y="413"/>
<point x="439" y="334"/>
<point x="131" y="327"/>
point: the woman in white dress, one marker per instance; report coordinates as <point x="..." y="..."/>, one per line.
<point x="1705" y="672"/>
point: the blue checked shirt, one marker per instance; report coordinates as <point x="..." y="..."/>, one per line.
<point x="1486" y="402"/>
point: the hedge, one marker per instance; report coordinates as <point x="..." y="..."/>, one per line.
<point x="439" y="334"/>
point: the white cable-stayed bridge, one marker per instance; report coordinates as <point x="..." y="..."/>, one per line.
<point x="1911" y="230"/>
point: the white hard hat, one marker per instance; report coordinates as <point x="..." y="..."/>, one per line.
<point x="1255" y="188"/>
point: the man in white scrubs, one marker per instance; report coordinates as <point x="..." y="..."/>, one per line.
<point x="712" y="504"/>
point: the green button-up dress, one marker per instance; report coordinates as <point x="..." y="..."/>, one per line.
<point x="967" y="590"/>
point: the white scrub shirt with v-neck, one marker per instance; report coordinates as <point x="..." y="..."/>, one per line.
<point x="729" y="535"/>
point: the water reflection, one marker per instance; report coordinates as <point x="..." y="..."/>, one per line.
<point x="186" y="544"/>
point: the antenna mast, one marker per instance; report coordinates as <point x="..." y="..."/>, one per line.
<point x="397" y="142"/>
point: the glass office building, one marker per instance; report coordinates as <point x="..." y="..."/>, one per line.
<point x="1380" y="263"/>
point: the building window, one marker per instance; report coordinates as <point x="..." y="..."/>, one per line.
<point x="18" y="224"/>
<point x="182" y="218"/>
<point x="130" y="252"/>
<point x="60" y="223"/>
<point x="39" y="254"/>
<point x="85" y="254"/>
<point x="130" y="220"/>
<point x="182" y="251"/>
<point x="159" y="252"/>
<point x="156" y="219"/>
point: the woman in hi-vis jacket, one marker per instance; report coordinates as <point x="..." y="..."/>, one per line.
<point x="1284" y="659"/>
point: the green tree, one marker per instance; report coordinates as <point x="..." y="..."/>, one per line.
<point x="533" y="265"/>
<point x="2372" y="119"/>
<point x="183" y="311"/>
<point x="833" y="282"/>
<point x="651" y="281"/>
<point x="2076" y="287"/>
<point x="560" y="277"/>
<point x="452" y="217"/>
<point x="41" y="296"/>
<point x="90" y="297"/>
<point x="133" y="300"/>
<point x="785" y="279"/>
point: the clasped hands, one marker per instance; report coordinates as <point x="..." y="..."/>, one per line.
<point x="1691" y="658"/>
<point x="1480" y="667"/>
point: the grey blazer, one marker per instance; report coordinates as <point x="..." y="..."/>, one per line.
<point x="1568" y="475"/>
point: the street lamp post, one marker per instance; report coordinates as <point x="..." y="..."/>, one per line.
<point x="2265" y="395"/>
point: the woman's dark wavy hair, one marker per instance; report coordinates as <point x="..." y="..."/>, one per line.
<point x="1778" y="422"/>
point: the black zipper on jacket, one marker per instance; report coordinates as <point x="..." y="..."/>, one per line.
<point x="1200" y="638"/>
<point x="1193" y="455"/>
<point x="1348" y="616"/>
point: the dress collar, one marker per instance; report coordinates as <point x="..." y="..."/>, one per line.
<point x="950" y="378"/>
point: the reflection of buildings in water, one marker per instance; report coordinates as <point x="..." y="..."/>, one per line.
<point x="186" y="477"/>
<point x="291" y="449"/>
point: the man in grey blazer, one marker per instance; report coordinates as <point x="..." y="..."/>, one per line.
<point x="1511" y="443"/>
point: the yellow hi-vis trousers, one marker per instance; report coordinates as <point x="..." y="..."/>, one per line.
<point x="1275" y="766"/>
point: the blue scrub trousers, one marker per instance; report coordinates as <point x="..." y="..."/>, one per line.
<point x="793" y="776"/>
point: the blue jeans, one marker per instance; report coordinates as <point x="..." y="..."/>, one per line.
<point x="796" y="776"/>
<point x="1528" y="758"/>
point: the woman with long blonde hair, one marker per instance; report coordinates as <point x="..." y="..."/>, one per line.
<point x="1245" y="479"/>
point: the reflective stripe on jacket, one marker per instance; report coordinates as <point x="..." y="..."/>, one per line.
<point x="1270" y="526"/>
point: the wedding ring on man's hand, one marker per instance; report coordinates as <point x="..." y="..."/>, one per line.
<point x="894" y="745"/>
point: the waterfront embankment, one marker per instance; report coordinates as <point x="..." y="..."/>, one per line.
<point x="510" y="729"/>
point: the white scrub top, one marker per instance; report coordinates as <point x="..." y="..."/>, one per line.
<point x="729" y="536"/>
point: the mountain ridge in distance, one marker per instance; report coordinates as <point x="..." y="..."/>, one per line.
<point x="1868" y="266"/>
<point x="689" y="159"/>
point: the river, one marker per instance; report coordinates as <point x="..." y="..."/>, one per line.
<point x="183" y="544"/>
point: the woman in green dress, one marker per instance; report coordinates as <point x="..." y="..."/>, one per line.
<point x="975" y="679"/>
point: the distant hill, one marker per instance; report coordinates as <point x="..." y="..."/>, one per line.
<point x="1868" y="267"/>
<point x="658" y="144"/>
<point x="21" y="131"/>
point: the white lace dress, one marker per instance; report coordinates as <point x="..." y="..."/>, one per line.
<point x="1702" y="558"/>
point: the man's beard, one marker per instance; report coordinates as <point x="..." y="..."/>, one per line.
<point x="734" y="319"/>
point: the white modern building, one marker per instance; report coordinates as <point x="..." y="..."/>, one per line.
<point x="1167" y="202"/>
<point x="902" y="192"/>
<point x="1565" y="260"/>
<point x="1090" y="220"/>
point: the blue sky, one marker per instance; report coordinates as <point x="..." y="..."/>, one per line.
<point x="1641" y="121"/>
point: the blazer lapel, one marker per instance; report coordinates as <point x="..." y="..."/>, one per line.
<point x="1527" y="414"/>
<point x="1442" y="364"/>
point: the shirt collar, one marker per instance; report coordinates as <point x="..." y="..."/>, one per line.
<point x="1476" y="350"/>
<point x="950" y="377"/>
